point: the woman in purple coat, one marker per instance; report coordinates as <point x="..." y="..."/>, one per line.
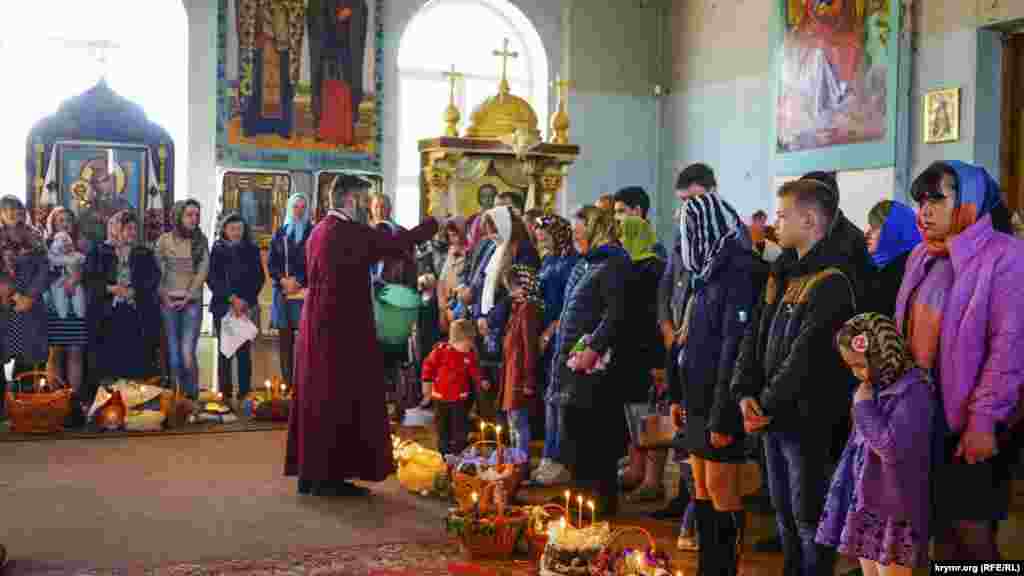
<point x="877" y="507"/>
<point x="959" y="306"/>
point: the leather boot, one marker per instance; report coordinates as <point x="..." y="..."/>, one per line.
<point x="706" y="520"/>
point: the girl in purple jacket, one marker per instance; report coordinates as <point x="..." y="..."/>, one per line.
<point x="877" y="508"/>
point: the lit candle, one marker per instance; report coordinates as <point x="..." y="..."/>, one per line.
<point x="270" y="390"/>
<point x="593" y="514"/>
<point x="483" y="427"/>
<point x="567" y="496"/>
<point x="579" y="504"/>
<point x="501" y="451"/>
<point x="476" y="504"/>
<point x="561" y="526"/>
<point x="283" y="388"/>
<point x="42" y="383"/>
<point x="220" y="396"/>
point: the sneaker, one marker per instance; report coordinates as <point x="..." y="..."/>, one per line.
<point x="540" y="469"/>
<point x="556" y="474"/>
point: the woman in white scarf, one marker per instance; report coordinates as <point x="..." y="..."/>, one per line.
<point x="501" y="217"/>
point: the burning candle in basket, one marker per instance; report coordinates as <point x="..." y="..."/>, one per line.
<point x="270" y="390"/>
<point x="593" y="513"/>
<point x="284" y="388"/>
<point x="579" y="504"/>
<point x="501" y="449"/>
<point x="476" y="505"/>
<point x="42" y="384"/>
<point x="568" y="495"/>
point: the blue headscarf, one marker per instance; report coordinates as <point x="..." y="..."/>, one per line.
<point x="296" y="228"/>
<point x="899" y="234"/>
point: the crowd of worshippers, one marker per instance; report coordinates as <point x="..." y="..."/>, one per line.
<point x="872" y="375"/>
<point x="90" y="313"/>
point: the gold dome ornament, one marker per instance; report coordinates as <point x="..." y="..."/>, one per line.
<point x="504" y="113"/>
<point x="451" y="113"/>
<point x="560" y="119"/>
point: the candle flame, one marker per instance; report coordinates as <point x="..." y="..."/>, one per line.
<point x="590" y="504"/>
<point x="267" y="384"/>
<point x="561" y="523"/>
<point x="579" y="500"/>
<point x="567" y="494"/>
<point x="475" y="497"/>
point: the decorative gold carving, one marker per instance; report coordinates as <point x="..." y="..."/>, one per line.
<point x="560" y="119"/>
<point x="505" y="113"/>
<point x="551" y="185"/>
<point x="451" y="113"/>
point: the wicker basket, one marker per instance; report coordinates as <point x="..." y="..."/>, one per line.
<point x="491" y="538"/>
<point x="464" y="485"/>
<point x="38" y="412"/>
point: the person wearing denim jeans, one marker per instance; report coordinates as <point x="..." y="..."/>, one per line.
<point x="184" y="258"/>
<point x="182" y="326"/>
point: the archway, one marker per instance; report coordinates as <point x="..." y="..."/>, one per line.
<point x="428" y="49"/>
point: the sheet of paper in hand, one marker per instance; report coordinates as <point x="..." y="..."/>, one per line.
<point x="234" y="332"/>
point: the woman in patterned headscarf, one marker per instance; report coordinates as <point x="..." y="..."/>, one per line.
<point x="959" y="306"/>
<point x="559" y="260"/>
<point x="878" y="505"/>
<point x="521" y="351"/>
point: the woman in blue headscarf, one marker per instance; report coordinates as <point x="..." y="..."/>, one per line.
<point x="892" y="234"/>
<point x="287" y="266"/>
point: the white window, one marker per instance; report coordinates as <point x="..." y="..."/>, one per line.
<point x="53" y="50"/>
<point x="463" y="33"/>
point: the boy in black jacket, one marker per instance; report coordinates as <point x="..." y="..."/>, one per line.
<point x="789" y="378"/>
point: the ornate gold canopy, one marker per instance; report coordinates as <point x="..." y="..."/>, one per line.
<point x="502" y="151"/>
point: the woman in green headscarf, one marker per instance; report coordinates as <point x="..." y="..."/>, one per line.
<point x="647" y="357"/>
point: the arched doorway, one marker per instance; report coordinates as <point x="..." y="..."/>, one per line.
<point x="428" y="48"/>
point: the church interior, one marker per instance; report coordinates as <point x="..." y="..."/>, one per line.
<point x="120" y="457"/>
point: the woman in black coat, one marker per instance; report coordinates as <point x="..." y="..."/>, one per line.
<point x="892" y="234"/>
<point x="593" y="397"/>
<point x="235" y="279"/>
<point x="719" y="302"/>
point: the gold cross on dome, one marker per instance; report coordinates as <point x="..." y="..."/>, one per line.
<point x="505" y="54"/>
<point x="452" y="77"/>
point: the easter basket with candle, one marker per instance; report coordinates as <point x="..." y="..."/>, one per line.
<point x="541" y="518"/>
<point x="36" y="407"/>
<point x="272" y="403"/>
<point x="485" y="462"/>
<point x="597" y="550"/>
<point x="487" y="529"/>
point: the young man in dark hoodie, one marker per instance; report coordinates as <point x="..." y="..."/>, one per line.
<point x="789" y="379"/>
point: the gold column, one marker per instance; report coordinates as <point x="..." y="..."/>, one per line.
<point x="551" y="184"/>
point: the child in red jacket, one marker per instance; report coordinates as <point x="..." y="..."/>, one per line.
<point x="449" y="371"/>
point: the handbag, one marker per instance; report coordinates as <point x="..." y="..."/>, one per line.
<point x="647" y="427"/>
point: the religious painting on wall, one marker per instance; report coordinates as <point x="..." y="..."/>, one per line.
<point x="99" y="181"/>
<point x="837" y="73"/>
<point x="299" y="84"/>
<point x="260" y="197"/>
<point x="942" y="116"/>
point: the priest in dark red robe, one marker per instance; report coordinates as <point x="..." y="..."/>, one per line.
<point x="338" y="430"/>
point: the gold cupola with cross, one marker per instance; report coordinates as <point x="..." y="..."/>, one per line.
<point x="504" y="113"/>
<point x="501" y="152"/>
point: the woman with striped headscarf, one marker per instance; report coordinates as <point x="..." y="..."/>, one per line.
<point x="959" y="307"/>
<point x="287" y="267"/>
<point x="878" y="505"/>
<point x="718" y="304"/>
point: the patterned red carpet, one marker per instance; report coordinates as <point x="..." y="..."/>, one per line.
<point x="408" y="559"/>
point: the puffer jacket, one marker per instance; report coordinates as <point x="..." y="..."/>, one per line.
<point x="787" y="359"/>
<point x="980" y="368"/>
<point x="722" y="311"/>
<point x="596" y="306"/>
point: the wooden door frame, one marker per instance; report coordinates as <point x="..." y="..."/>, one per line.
<point x="1012" y="136"/>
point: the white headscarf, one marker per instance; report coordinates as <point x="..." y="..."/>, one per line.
<point x="502" y="218"/>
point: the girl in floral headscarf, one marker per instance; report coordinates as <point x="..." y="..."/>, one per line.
<point x="877" y="508"/>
